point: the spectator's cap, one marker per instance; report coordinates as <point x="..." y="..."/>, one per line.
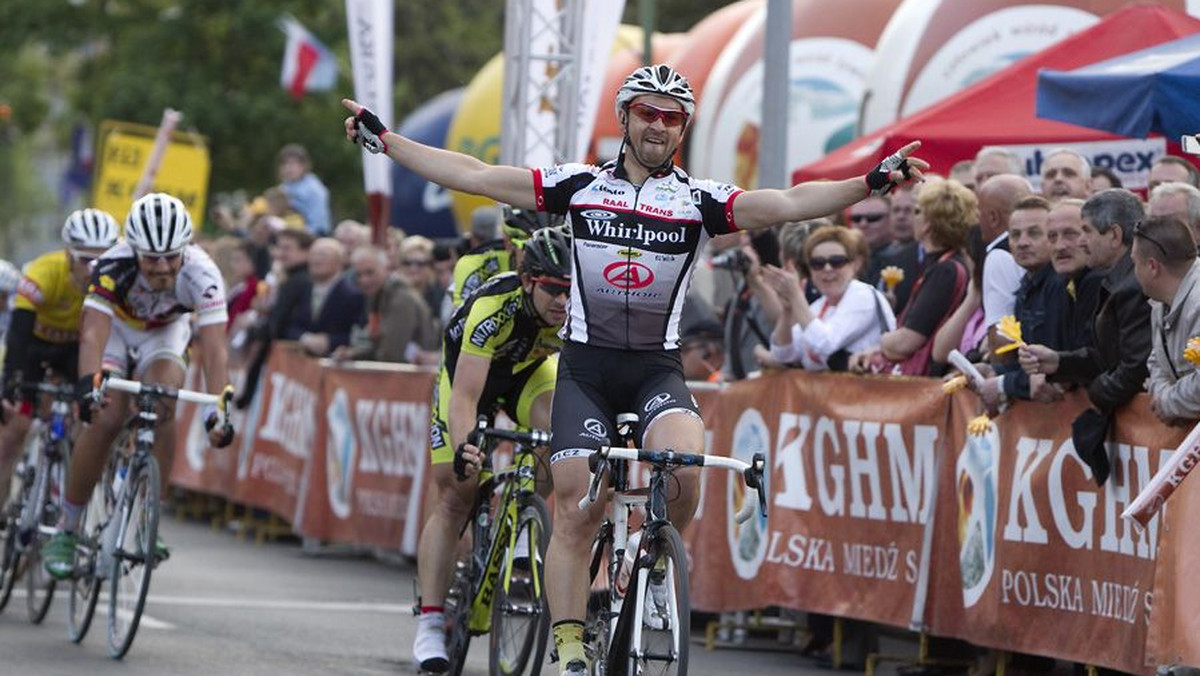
<point x="703" y="328"/>
<point x="485" y="224"/>
<point x="275" y="223"/>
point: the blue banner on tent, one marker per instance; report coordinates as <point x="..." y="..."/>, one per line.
<point x="418" y="206"/>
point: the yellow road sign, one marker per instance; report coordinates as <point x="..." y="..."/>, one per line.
<point x="123" y="151"/>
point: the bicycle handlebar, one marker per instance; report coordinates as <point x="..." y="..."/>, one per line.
<point x="752" y="472"/>
<point x="532" y="438"/>
<point x="221" y="401"/>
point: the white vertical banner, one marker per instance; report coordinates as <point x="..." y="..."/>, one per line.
<point x="541" y="120"/>
<point x="601" y="18"/>
<point x="370" y="26"/>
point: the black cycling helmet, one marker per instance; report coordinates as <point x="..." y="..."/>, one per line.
<point x="519" y="224"/>
<point x="548" y="253"/>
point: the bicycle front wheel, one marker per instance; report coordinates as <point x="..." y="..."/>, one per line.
<point x="659" y="615"/>
<point x="133" y="557"/>
<point x="520" y="614"/>
<point x="85" y="586"/>
<point x="10" y="561"/>
<point x="43" y="518"/>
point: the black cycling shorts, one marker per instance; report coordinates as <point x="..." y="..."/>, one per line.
<point x="61" y="358"/>
<point x="597" y="383"/>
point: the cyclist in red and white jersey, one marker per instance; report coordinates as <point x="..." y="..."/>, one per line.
<point x="639" y="224"/>
<point x="142" y="299"/>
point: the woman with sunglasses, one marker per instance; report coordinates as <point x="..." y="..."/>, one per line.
<point x="639" y="223"/>
<point x="45" y="323"/>
<point x="848" y="317"/>
<point x="948" y="209"/>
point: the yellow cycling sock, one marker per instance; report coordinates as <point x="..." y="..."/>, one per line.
<point x="568" y="640"/>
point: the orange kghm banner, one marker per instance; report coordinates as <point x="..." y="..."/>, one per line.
<point x="366" y="478"/>
<point x="198" y="466"/>
<point x="1032" y="555"/>
<point x="852" y="484"/>
<point x="283" y="427"/>
<point x="1174" y="634"/>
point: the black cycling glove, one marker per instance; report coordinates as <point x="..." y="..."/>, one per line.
<point x="211" y="421"/>
<point x="878" y="179"/>
<point x="84" y="396"/>
<point x="370" y="131"/>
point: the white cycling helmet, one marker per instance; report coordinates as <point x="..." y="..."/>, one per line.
<point x="657" y="79"/>
<point x="90" y="229"/>
<point x="158" y="224"/>
<point x="10" y="276"/>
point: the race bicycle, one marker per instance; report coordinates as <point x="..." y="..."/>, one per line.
<point x="119" y="534"/>
<point x="32" y="516"/>
<point x="640" y="621"/>
<point x="498" y="588"/>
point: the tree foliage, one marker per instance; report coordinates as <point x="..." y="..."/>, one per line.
<point x="218" y="61"/>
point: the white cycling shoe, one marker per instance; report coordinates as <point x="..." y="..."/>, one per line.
<point x="429" y="646"/>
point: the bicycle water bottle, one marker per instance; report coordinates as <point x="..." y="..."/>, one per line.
<point x="119" y="479"/>
<point x="631" y="548"/>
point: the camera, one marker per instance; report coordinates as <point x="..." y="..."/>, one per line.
<point x="734" y="260"/>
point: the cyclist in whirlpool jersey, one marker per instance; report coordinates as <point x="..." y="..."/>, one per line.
<point x="500" y="350"/>
<point x="45" y="324"/>
<point x="639" y="223"/>
<point x="143" y="296"/>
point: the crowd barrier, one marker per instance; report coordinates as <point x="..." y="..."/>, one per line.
<point x="882" y="506"/>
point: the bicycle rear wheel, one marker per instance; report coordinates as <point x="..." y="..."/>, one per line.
<point x="658" y="646"/>
<point x="133" y="558"/>
<point x="85" y="585"/>
<point x="520" y="614"/>
<point x="596" y="626"/>
<point x="43" y="517"/>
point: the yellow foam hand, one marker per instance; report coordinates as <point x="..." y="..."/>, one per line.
<point x="954" y="384"/>
<point x="1009" y="328"/>
<point x="891" y="276"/>
<point x="1192" y="352"/>
<point x="979" y="426"/>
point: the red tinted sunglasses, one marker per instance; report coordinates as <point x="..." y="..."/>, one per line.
<point x="553" y="286"/>
<point x="648" y="114"/>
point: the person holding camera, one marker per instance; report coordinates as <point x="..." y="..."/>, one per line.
<point x="848" y="317"/>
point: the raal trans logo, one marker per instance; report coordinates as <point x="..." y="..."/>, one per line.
<point x="747" y="541"/>
<point x="628" y="275"/>
<point x="340" y="454"/>
<point x="976" y="485"/>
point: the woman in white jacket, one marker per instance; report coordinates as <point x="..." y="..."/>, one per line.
<point x="848" y="317"/>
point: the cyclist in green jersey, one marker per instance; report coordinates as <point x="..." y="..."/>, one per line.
<point x="500" y="350"/>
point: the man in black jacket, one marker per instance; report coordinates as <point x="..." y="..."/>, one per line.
<point x="291" y="251"/>
<point x="1114" y="367"/>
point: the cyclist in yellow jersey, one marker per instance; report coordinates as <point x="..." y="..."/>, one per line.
<point x="44" y="331"/>
<point x="500" y="350"/>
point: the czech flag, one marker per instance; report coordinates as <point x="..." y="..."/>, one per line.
<point x="308" y="65"/>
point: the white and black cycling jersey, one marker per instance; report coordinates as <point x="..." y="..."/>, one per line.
<point x="634" y="248"/>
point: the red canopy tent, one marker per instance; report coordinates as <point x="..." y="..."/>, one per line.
<point x="999" y="110"/>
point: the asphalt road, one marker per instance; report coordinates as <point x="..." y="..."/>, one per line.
<point x="222" y="606"/>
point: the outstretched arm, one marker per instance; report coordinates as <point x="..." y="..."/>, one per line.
<point x="765" y="208"/>
<point x="449" y="169"/>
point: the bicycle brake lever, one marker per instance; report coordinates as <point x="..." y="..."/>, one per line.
<point x="593" y="491"/>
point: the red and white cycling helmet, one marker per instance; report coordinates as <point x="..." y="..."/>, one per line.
<point x="658" y="79"/>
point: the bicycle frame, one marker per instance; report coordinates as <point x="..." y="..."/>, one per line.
<point x="489" y="548"/>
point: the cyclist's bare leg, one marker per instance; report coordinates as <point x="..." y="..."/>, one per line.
<point x="12" y="445"/>
<point x="92" y="446"/>
<point x="167" y="372"/>
<point x="439" y="538"/>
<point x="567" y="560"/>
<point x="680" y="432"/>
